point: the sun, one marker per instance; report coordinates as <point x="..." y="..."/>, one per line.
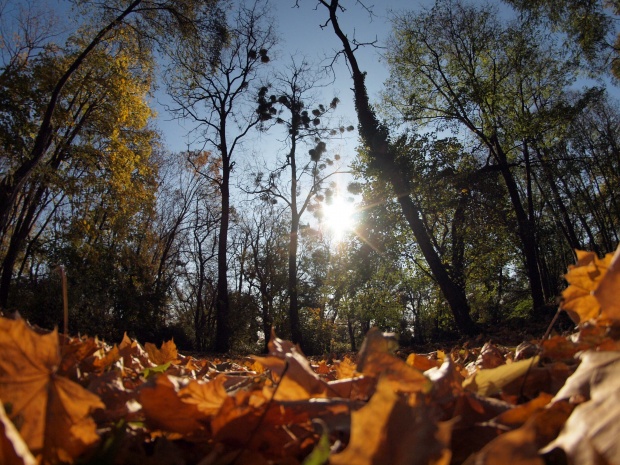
<point x="339" y="217"/>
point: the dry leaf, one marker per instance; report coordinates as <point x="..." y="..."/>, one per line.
<point x="167" y="352"/>
<point x="390" y="431"/>
<point x="608" y="291"/>
<point x="13" y="449"/>
<point x="591" y="433"/>
<point x="53" y="412"/>
<point x="164" y="409"/>
<point x="375" y="359"/>
<point x="295" y="378"/>
<point x="521" y="446"/>
<point x="578" y="298"/>
<point x="490" y="382"/>
<point x="207" y="397"/>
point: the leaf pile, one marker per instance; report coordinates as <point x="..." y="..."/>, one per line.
<point x="79" y="400"/>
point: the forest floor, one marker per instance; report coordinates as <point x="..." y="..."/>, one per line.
<point x="508" y="396"/>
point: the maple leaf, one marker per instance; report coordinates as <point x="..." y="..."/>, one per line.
<point x="133" y="355"/>
<point x="522" y="445"/>
<point x="167" y="352"/>
<point x="578" y="299"/>
<point x="207" y="397"/>
<point x="490" y="382"/>
<point x="164" y="409"/>
<point x="53" y="412"/>
<point x="389" y="430"/>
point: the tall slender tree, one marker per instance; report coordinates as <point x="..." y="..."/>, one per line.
<point x="219" y="100"/>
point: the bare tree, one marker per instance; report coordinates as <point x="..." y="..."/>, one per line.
<point x="220" y="101"/>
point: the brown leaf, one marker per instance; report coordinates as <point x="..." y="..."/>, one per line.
<point x="375" y="359"/>
<point x="521" y="446"/>
<point x="53" y="412"/>
<point x="13" y="449"/>
<point x="591" y="433"/>
<point x="207" y="397"/>
<point x="133" y="355"/>
<point x="164" y="409"/>
<point x="390" y="431"/>
<point x="167" y="352"/>
<point x="421" y="362"/>
<point x="608" y="291"/>
<point x="517" y="416"/>
<point x="295" y="378"/>
<point x="578" y="298"/>
<point x="490" y="357"/>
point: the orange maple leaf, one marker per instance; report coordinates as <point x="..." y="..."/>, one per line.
<point x="578" y="299"/>
<point x="165" y="409"/>
<point x="167" y="352"/>
<point x="52" y="412"/>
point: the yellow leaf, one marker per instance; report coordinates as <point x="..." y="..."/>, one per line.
<point x="53" y="412"/>
<point x="490" y="382"/>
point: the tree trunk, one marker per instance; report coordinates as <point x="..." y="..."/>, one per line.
<point x="375" y="136"/>
<point x="525" y="228"/>
<point x="222" y="307"/>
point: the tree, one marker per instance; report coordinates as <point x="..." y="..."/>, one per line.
<point x="305" y="126"/>
<point x="460" y="66"/>
<point x="219" y="100"/>
<point x="376" y="137"/>
<point x="589" y="25"/>
<point x="100" y="136"/>
<point x="189" y="22"/>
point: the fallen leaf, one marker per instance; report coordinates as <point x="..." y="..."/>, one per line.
<point x="490" y="357"/>
<point x="165" y="410"/>
<point x="375" y="359"/>
<point x="13" y="449"/>
<point x="208" y="397"/>
<point x="295" y="378"/>
<point x="591" y="433"/>
<point x="521" y="446"/>
<point x="490" y="382"/>
<point x="53" y="412"/>
<point x="421" y="362"/>
<point x="608" y="291"/>
<point x="167" y="352"/>
<point x="578" y="298"/>
<point x="390" y="431"/>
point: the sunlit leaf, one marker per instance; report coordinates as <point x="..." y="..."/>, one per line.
<point x="490" y="382"/>
<point x="390" y="431"/>
<point x="53" y="412"/>
<point x="578" y="298"/>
